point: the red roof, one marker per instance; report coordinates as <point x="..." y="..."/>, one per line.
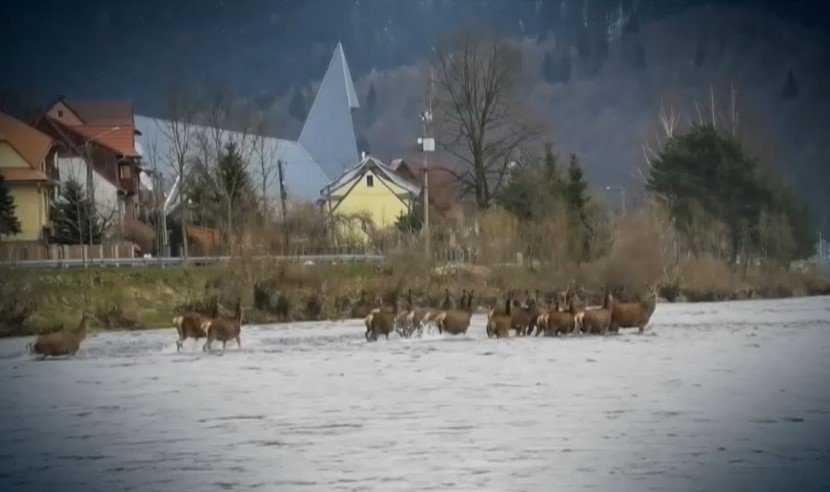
<point x="121" y="141"/>
<point x="107" y="123"/>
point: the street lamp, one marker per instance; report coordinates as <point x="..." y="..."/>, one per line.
<point x="622" y="195"/>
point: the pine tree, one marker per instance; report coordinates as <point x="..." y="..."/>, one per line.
<point x="233" y="181"/>
<point x="8" y="221"/>
<point x="298" y="107"/>
<point x="71" y="217"/>
<point x="576" y="196"/>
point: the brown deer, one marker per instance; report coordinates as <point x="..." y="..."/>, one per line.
<point x="381" y="320"/>
<point x="188" y="325"/>
<point x="61" y="343"/>
<point x="634" y="314"/>
<point x="456" y="321"/>
<point x="597" y="320"/>
<point x="559" y="321"/>
<point x="499" y="324"/>
<point x="525" y="315"/>
<point x="224" y="329"/>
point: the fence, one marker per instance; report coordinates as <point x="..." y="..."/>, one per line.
<point x="14" y="252"/>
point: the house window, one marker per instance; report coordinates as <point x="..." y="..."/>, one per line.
<point x="60" y="113"/>
<point x="370" y="181"/>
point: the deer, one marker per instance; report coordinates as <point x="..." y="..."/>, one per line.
<point x="634" y="314"/>
<point x="405" y="320"/>
<point x="60" y="343"/>
<point x="189" y="325"/>
<point x="597" y="320"/>
<point x="559" y="320"/>
<point x="499" y="324"/>
<point x="525" y="316"/>
<point x="381" y="320"/>
<point x="223" y="329"/>
<point x="456" y="321"/>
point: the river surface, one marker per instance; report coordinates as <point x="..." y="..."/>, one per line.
<point x="724" y="396"/>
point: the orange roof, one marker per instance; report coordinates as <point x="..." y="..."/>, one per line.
<point x="33" y="145"/>
<point x="12" y="174"/>
<point x="121" y="140"/>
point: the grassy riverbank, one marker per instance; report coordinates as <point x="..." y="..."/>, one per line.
<point x="36" y="301"/>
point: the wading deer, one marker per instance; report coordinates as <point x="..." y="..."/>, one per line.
<point x="499" y="324"/>
<point x="188" y="325"/>
<point x="559" y="321"/>
<point x="224" y="329"/>
<point x="597" y="320"/>
<point x="381" y="320"/>
<point x="61" y="343"/>
<point x="634" y="314"/>
<point x="456" y="321"/>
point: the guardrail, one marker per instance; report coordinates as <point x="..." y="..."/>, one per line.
<point x="198" y="261"/>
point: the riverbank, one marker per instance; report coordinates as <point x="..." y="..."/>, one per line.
<point x="38" y="301"/>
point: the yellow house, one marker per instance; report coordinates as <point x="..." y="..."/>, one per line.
<point x="27" y="159"/>
<point x="370" y="190"/>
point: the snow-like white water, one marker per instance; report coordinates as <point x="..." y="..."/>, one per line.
<point x="714" y="396"/>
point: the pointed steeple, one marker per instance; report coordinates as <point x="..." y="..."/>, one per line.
<point x="328" y="134"/>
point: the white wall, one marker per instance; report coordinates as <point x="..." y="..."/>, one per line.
<point x="106" y="194"/>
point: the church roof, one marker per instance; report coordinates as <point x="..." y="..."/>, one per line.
<point x="328" y="133"/>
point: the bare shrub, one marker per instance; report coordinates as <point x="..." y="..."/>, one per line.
<point x="636" y="258"/>
<point x="499" y="236"/>
<point x="706" y="279"/>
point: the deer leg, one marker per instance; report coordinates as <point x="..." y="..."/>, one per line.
<point x="224" y="342"/>
<point x="238" y="342"/>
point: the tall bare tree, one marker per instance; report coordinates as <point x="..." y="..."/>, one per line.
<point x="477" y="114"/>
<point x="265" y="154"/>
<point x="178" y="129"/>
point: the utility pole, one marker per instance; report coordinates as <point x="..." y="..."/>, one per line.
<point x="282" y="189"/>
<point x="427" y="145"/>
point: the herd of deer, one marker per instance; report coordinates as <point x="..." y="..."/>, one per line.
<point x="564" y="314"/>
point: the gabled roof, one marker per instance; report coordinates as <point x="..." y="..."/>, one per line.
<point x="103" y="113"/>
<point x="328" y="133"/>
<point x="32" y="144"/>
<point x="369" y="163"/>
<point x="107" y="123"/>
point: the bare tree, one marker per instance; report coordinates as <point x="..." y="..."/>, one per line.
<point x="265" y="154"/>
<point x="178" y="129"/>
<point x="478" y="118"/>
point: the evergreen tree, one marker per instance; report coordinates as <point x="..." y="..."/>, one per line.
<point x="8" y="221"/>
<point x="576" y="196"/>
<point x="71" y="217"/>
<point x="704" y="169"/>
<point x="790" y="89"/>
<point x="234" y="182"/>
<point x="298" y="107"/>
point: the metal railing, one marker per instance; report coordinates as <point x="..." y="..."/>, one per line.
<point x="198" y="261"/>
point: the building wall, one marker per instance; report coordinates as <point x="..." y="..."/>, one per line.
<point x="106" y="194"/>
<point x="10" y="158"/>
<point x="31" y="209"/>
<point x="378" y="200"/>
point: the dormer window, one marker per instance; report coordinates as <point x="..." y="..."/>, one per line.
<point x="125" y="172"/>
